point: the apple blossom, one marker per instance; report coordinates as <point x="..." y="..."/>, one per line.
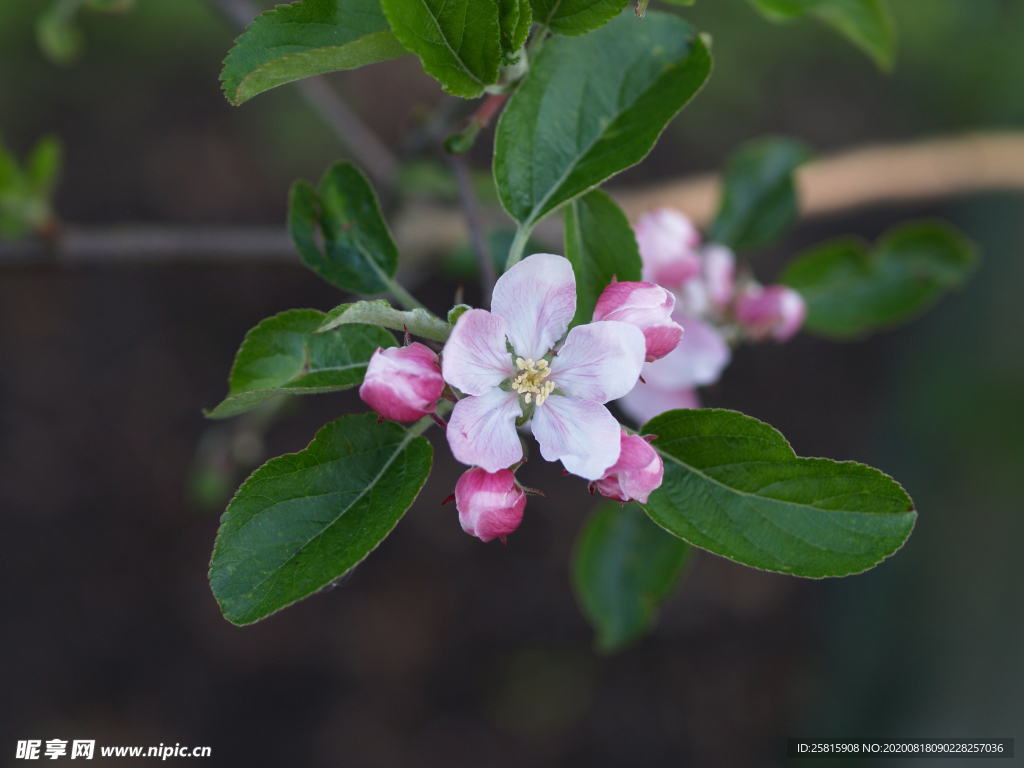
<point x="638" y="471"/>
<point x="669" y="383"/>
<point x="719" y="271"/>
<point x="775" y="311"/>
<point x="648" y="307"/>
<point x="402" y="383"/>
<point x="668" y="244"/>
<point x="490" y="504"/>
<point x="510" y="369"/>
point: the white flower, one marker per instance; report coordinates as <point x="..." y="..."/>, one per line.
<point x="509" y="365"/>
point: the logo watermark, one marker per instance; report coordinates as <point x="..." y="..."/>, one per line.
<point x="36" y="749"/>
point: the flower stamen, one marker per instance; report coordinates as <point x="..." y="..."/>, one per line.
<point x="530" y="382"/>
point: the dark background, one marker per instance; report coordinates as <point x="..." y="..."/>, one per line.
<point x="440" y="650"/>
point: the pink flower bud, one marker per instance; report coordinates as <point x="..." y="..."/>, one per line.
<point x="668" y="243"/>
<point x="775" y="311"/>
<point x="719" y="275"/>
<point x="638" y="471"/>
<point x="490" y="504"/>
<point x="649" y="308"/>
<point x="403" y="383"/>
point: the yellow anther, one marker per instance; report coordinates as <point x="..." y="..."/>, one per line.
<point x="530" y="382"/>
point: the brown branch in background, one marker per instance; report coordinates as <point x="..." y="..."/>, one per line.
<point x="484" y="257"/>
<point x="917" y="171"/>
<point x="373" y="155"/>
<point x="133" y="244"/>
<point x="882" y="175"/>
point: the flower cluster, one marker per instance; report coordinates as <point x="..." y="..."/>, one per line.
<point x="714" y="305"/>
<point x="520" y="364"/>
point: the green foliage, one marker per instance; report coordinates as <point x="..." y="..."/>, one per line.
<point x="601" y="245"/>
<point x="852" y="290"/>
<point x="588" y="106"/>
<point x="305" y="39"/>
<point x="285" y="354"/>
<point x="759" y="202"/>
<point x="26" y="191"/>
<point x="624" y="568"/>
<point x="867" y="23"/>
<point x="303" y="520"/>
<point x="734" y="486"/>
<point x="515" y="17"/>
<point x="592" y="106"/>
<point x="575" y="17"/>
<point x="358" y="252"/>
<point x="58" y="37"/>
<point x="459" y="42"/>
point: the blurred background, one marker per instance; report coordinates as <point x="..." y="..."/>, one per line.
<point x="440" y="650"/>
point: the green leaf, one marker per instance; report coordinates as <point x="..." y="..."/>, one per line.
<point x="575" y="17"/>
<point x="418" y="322"/>
<point x="515" y="18"/>
<point x="305" y="519"/>
<point x="759" y="202"/>
<point x="600" y="244"/>
<point x="358" y="252"/>
<point x="852" y="291"/>
<point x="58" y="37"/>
<point x="867" y="23"/>
<point x="25" y="193"/>
<point x="10" y="173"/>
<point x="44" y="166"/>
<point x="284" y="355"/>
<point x="305" y="39"/>
<point x="458" y="42"/>
<point x="734" y="486"/>
<point x="624" y="568"/>
<point x="592" y="106"/>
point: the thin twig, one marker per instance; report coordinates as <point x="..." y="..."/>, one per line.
<point x="913" y="173"/>
<point x="379" y="161"/>
<point x="484" y="257"/>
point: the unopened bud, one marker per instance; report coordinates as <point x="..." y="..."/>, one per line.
<point x="719" y="275"/>
<point x="668" y="244"/>
<point x="636" y="474"/>
<point x="648" y="307"/>
<point x="775" y="311"/>
<point x="490" y="504"/>
<point x="403" y="383"/>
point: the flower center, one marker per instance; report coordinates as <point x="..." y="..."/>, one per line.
<point x="530" y="381"/>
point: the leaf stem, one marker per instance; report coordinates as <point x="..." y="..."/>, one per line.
<point x="515" y="253"/>
<point x="534" y="46"/>
<point x="418" y="322"/>
<point x="403" y="297"/>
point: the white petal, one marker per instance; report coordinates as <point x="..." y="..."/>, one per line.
<point x="537" y="301"/>
<point x="600" y="361"/>
<point x="581" y="434"/>
<point x="475" y="359"/>
<point x="698" y="360"/>
<point x="645" y="402"/>
<point x="482" y="430"/>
